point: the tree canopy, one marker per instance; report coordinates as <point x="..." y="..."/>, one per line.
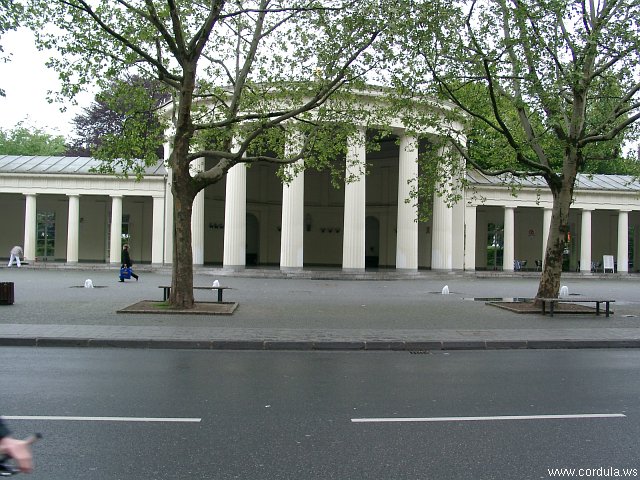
<point x="25" y="140"/>
<point x="123" y="121"/>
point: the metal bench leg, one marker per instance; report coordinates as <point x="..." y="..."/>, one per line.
<point x="607" y="308"/>
<point x="598" y="308"/>
<point x="551" y="305"/>
<point x="167" y="293"/>
<point x="219" y="295"/>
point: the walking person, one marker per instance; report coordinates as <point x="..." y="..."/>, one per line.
<point x="16" y="253"/>
<point x="126" y="263"/>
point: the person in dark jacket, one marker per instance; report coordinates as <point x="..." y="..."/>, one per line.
<point x="17" y="449"/>
<point x="126" y="262"/>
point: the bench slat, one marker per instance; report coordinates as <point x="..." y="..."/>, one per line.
<point x="576" y="300"/>
<point x="167" y="291"/>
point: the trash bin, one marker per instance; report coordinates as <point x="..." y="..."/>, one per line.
<point x="6" y="293"/>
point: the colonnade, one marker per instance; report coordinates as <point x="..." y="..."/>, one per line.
<point x="454" y="231"/>
<point x="73" y="228"/>
<point x="622" y="251"/>
<point x="292" y="222"/>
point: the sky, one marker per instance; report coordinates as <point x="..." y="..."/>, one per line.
<point x="26" y="81"/>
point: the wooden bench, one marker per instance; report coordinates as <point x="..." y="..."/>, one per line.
<point x="552" y="302"/>
<point x="166" y="289"/>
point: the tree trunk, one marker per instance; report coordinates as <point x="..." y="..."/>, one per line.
<point x="182" y="268"/>
<point x="549" y="285"/>
<point x="184" y="192"/>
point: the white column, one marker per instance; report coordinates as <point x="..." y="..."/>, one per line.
<point x="73" y="228"/>
<point x="353" y="247"/>
<point x="442" y="236"/>
<point x="30" y="227"/>
<point x="623" y="241"/>
<point x="585" y="241"/>
<point x="470" y="227"/>
<point x="441" y="244"/>
<point x="157" y="238"/>
<point x="168" y="226"/>
<point x="168" y="195"/>
<point x="546" y="227"/>
<point x="197" y="218"/>
<point x="457" y="236"/>
<point x="115" y="245"/>
<point x="292" y="234"/>
<point x="235" y="218"/>
<point x="509" y="239"/>
<point x="407" y="236"/>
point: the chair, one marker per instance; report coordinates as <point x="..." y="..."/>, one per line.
<point x="538" y="265"/>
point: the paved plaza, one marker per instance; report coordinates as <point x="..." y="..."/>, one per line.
<point x="313" y="310"/>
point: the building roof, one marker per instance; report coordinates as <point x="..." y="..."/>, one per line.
<point x="61" y="165"/>
<point x="84" y="165"/>
<point x="583" y="181"/>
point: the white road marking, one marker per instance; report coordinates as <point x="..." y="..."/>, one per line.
<point x="103" y="419"/>
<point x="489" y="418"/>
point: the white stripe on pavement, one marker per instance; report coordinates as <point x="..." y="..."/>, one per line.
<point x="490" y="418"/>
<point x="102" y="419"/>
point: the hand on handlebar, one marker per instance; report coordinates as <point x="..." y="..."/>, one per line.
<point x="19" y="451"/>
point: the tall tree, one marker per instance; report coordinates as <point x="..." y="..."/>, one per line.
<point x="241" y="73"/>
<point x="536" y="88"/>
<point x="24" y="140"/>
<point x="128" y="109"/>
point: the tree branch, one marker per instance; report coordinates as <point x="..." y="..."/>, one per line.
<point x="199" y="40"/>
<point x="83" y="6"/>
<point x="611" y="134"/>
<point x="493" y="173"/>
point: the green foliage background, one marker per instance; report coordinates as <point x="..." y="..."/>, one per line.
<point x="24" y="140"/>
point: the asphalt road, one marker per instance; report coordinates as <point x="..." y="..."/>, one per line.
<point x="324" y="415"/>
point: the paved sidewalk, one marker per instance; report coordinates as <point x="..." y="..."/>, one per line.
<point x="398" y="313"/>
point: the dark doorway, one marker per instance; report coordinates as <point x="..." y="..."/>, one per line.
<point x="253" y="240"/>
<point x="372" y="242"/>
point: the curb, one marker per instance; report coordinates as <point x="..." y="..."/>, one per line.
<point x="325" y="345"/>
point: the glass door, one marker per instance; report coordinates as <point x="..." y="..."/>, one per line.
<point x="495" y="246"/>
<point x="46" y="235"/>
